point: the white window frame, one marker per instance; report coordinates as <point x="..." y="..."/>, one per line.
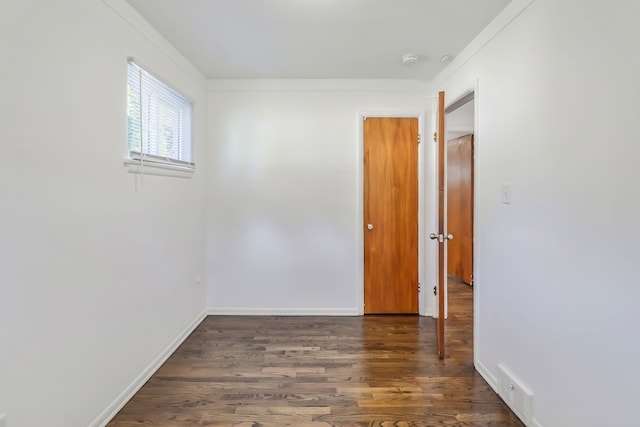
<point x="141" y="160"/>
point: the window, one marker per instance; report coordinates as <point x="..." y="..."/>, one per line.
<point x="158" y="124"/>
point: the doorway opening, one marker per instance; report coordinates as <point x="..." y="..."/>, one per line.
<point x="460" y="201"/>
<point x="460" y="188"/>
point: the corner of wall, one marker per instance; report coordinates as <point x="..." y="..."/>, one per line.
<point x="122" y="399"/>
<point x="125" y="11"/>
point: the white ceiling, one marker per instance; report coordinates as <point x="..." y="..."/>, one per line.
<point x="318" y="38"/>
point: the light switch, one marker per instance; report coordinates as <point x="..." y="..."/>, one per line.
<point x="506" y="193"/>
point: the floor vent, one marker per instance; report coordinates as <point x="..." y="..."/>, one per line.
<point x="518" y="397"/>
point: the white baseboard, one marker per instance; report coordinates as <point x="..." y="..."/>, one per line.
<point x="535" y="423"/>
<point x="491" y="379"/>
<point x="272" y="311"/>
<point x="144" y="376"/>
<point x="494" y="383"/>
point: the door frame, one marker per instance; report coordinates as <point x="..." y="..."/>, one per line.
<point x="454" y="95"/>
<point x="409" y="114"/>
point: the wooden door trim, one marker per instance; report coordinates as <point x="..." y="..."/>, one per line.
<point x="409" y="114"/>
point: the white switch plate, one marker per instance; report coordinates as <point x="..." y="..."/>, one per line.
<point x="3" y="420"/>
<point x="506" y="193"/>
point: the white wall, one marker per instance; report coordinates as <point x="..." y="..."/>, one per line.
<point x="282" y="192"/>
<point x="557" y="285"/>
<point x="96" y="280"/>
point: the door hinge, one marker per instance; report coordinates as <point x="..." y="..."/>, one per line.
<point x="435" y="137"/>
<point x="435" y="290"/>
<point x="418" y="287"/>
<point x="419" y="138"/>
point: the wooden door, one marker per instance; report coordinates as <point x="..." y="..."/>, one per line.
<point x="390" y="215"/>
<point x="442" y="272"/>
<point x="460" y="207"/>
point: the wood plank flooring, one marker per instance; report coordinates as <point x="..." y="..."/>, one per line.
<point x="321" y="371"/>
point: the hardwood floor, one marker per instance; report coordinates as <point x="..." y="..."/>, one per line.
<point x="321" y="371"/>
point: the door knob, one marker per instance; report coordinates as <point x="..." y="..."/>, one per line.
<point x="440" y="237"/>
<point x="370" y="226"/>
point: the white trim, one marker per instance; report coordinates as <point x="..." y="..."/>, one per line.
<point x="535" y="423"/>
<point x="486" y="374"/>
<point x="517" y="396"/>
<point x="360" y="115"/>
<point x="153" y="159"/>
<point x="431" y="214"/>
<point x="477" y="289"/>
<point x="318" y="85"/>
<point x="463" y="130"/>
<point x="281" y="311"/>
<point x="158" y="169"/>
<point x="428" y="311"/>
<point x="494" y="383"/>
<point x="122" y="399"/>
<point x="495" y="27"/>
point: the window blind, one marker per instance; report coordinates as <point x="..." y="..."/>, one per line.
<point x="159" y="120"/>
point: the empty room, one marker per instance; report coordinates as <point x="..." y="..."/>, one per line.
<point x="241" y="213"/>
